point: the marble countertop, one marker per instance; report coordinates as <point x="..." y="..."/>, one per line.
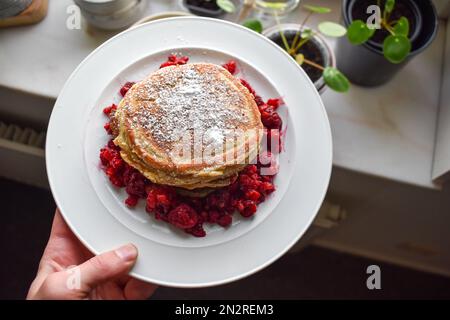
<point x="387" y="131"/>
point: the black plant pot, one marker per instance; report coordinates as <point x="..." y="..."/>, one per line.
<point x="316" y="50"/>
<point x="365" y="64"/>
<point x="200" y="8"/>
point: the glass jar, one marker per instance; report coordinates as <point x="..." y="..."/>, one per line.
<point x="278" y="7"/>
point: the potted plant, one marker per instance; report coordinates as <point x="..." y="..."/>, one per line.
<point x="309" y="49"/>
<point x="209" y="8"/>
<point x="381" y="39"/>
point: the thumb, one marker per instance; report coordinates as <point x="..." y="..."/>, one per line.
<point x="107" y="266"/>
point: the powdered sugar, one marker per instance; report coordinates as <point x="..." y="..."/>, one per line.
<point x="183" y="100"/>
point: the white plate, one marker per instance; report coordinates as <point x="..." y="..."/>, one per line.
<point x="94" y="209"/>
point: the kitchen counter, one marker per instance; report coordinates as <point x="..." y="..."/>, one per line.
<point x="387" y="131"/>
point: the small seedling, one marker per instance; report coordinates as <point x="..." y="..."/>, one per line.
<point x="334" y="79"/>
<point x="396" y="46"/>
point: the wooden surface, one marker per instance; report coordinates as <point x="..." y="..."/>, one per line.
<point x="33" y="14"/>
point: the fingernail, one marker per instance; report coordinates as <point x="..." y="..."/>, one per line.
<point x="127" y="252"/>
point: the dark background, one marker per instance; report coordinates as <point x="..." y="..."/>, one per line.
<point x="314" y="273"/>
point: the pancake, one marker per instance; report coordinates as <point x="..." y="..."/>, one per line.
<point x="185" y="126"/>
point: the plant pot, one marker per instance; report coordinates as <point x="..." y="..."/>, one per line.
<point x="111" y="14"/>
<point x="203" y="8"/>
<point x="365" y="64"/>
<point x="316" y="49"/>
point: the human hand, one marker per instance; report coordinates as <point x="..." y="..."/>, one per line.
<point x="99" y="277"/>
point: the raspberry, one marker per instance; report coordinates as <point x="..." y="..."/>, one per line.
<point x="183" y="60"/>
<point x="107" y="127"/>
<point x="213" y="216"/>
<point x="250" y="208"/>
<point x="161" y="216"/>
<point x="219" y="200"/>
<point x="111" y="145"/>
<point x="250" y="169"/>
<point x="225" y="220"/>
<point x="196" y="231"/>
<point x="266" y="178"/>
<point x="259" y="101"/>
<point x="265" y="108"/>
<point x="135" y="184"/>
<point x="127" y="173"/>
<point x="166" y="64"/>
<point x="245" y="181"/>
<point x="239" y="205"/>
<point x="266" y="188"/>
<point x="127" y="86"/>
<point x="183" y="217"/>
<point x="114" y="176"/>
<point x="204" y="216"/>
<point x="252" y="195"/>
<point x="113" y="165"/>
<point x="197" y="204"/>
<point x="150" y="203"/>
<point x="163" y="199"/>
<point x="248" y="86"/>
<point x="131" y="201"/>
<point x="109" y="171"/>
<point x="116" y="163"/>
<point x="173" y="60"/>
<point x="230" y="66"/>
<point x="160" y="199"/>
<point x="275" y="103"/>
<point x="109" y="109"/>
<point x="248" y="183"/>
<point x="117" y="182"/>
<point x="271" y="119"/>
<point x="105" y="156"/>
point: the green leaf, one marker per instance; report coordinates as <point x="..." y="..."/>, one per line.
<point x="254" y="25"/>
<point x="306" y="33"/>
<point x="300" y="58"/>
<point x="317" y="9"/>
<point x="401" y="28"/>
<point x="336" y="79"/>
<point x="358" y="32"/>
<point x="226" y="5"/>
<point x="273" y="5"/>
<point x="389" y="6"/>
<point x="332" y="29"/>
<point x="396" y="48"/>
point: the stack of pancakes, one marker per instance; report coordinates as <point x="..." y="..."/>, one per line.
<point x="191" y="126"/>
